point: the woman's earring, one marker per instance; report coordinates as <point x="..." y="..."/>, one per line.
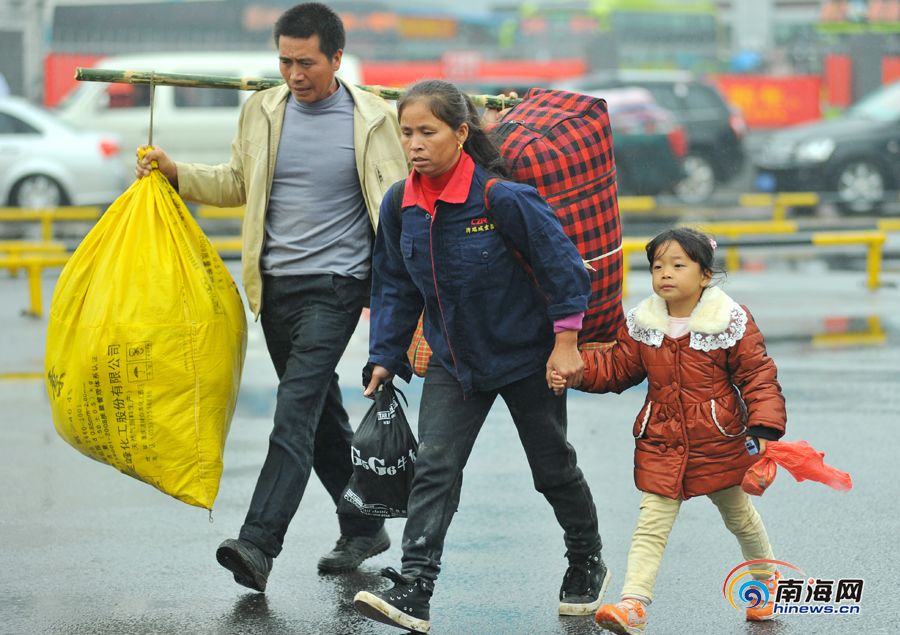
<point x="459" y="145"/>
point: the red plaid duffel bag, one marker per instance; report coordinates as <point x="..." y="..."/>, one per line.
<point x="561" y="143"/>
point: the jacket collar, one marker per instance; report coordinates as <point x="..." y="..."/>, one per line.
<point x="716" y="322"/>
<point x="456" y="190"/>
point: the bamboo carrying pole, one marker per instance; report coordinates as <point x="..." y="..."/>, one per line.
<point x="113" y="76"/>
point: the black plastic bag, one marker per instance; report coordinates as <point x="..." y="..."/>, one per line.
<point x="383" y="453"/>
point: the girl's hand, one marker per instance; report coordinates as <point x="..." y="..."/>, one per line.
<point x="557" y="383"/>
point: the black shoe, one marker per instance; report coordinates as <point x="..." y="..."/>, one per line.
<point x="583" y="585"/>
<point x="350" y="551"/>
<point x="405" y="605"/>
<point x="246" y="561"/>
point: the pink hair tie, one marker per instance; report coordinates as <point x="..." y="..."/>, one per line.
<point x="713" y="243"/>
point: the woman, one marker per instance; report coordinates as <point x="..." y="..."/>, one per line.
<point x="493" y="332"/>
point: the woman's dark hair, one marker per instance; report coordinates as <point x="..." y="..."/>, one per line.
<point x="454" y="108"/>
<point x="309" y="19"/>
<point x="697" y="245"/>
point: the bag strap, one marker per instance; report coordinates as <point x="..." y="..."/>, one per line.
<point x="388" y="387"/>
<point x="519" y="256"/>
<point x="397" y="197"/>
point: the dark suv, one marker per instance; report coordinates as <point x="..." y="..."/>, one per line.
<point x="715" y="130"/>
<point x="855" y="157"/>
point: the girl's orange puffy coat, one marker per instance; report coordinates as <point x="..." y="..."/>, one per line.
<point x="705" y="390"/>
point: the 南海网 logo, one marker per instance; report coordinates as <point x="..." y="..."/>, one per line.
<point x="744" y="591"/>
<point x="750" y="586"/>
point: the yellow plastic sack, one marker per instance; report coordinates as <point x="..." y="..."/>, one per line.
<point x="145" y="345"/>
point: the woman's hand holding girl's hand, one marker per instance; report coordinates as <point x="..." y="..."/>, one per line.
<point x="557" y="383"/>
<point x="566" y="361"/>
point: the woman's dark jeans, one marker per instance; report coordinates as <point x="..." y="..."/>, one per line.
<point x="307" y="322"/>
<point x="448" y="425"/>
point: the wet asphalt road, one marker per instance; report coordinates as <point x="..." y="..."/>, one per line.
<point x="88" y="550"/>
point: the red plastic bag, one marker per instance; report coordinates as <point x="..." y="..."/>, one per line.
<point x="799" y="458"/>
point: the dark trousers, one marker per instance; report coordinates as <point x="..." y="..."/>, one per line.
<point x="448" y="425"/>
<point x="307" y="322"/>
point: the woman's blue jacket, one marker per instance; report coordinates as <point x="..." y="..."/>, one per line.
<point x="486" y="320"/>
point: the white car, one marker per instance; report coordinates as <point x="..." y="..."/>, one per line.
<point x="44" y="163"/>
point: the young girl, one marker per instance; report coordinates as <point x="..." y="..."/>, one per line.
<point x="711" y="389"/>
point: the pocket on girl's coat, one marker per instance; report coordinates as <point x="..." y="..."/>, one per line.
<point x="727" y="417"/>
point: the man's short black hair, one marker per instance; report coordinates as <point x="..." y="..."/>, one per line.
<point x="312" y="18"/>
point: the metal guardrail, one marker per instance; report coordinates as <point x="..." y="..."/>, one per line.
<point x="46" y="217"/>
<point x="35" y="256"/>
<point x="873" y="240"/>
<point x="34" y="264"/>
<point x="780" y="204"/>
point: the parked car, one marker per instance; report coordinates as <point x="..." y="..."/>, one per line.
<point x="715" y="129"/>
<point x="44" y="163"/>
<point x="191" y="124"/>
<point x="856" y="156"/>
<point x="648" y="143"/>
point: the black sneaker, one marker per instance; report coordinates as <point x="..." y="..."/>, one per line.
<point x="350" y="551"/>
<point x="405" y="605"/>
<point x="583" y="585"/>
<point x="246" y="561"/>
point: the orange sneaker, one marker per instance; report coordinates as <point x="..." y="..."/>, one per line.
<point x="766" y="611"/>
<point x="628" y="617"/>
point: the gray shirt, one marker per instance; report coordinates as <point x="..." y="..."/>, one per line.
<point x="317" y="221"/>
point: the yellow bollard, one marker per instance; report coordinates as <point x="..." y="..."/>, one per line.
<point x="46" y="226"/>
<point x="34" y="290"/>
<point x="873" y="261"/>
<point x="732" y="260"/>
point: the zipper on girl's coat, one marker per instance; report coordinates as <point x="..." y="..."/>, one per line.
<point x="436" y="292"/>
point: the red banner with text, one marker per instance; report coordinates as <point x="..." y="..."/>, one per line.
<point x="773" y="102"/>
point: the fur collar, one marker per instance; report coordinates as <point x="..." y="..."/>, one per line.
<point x="716" y="322"/>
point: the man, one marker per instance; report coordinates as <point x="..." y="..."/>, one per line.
<point x="311" y="160"/>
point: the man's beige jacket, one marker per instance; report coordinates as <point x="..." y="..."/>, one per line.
<point x="247" y="178"/>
